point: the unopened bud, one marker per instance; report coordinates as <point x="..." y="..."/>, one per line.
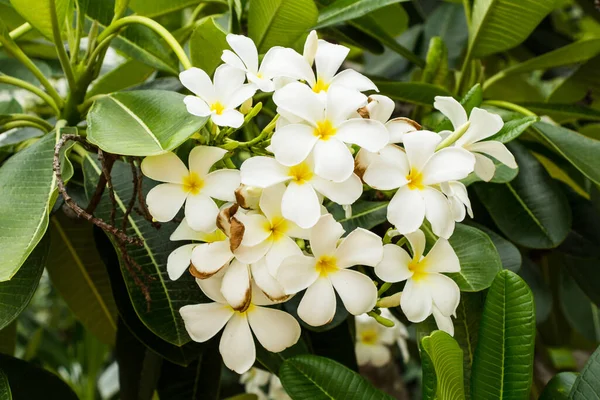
<point x="246" y="106"/>
<point x="390" y="301"/>
<point x="310" y="47"/>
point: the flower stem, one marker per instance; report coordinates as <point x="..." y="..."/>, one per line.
<point x="60" y="47"/>
<point x="383" y="288"/>
<point x="33" y="89"/>
<point x="509" y="106"/>
<point x="382" y="320"/>
<point x="30" y="118"/>
<point x="20" y="124"/>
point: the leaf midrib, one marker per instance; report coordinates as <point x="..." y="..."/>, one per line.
<point x="365" y="212"/>
<point x="269" y="25"/>
<point x="477" y="32"/>
<point x="138" y="120"/>
<point x="529" y="212"/>
<point x="312" y="381"/>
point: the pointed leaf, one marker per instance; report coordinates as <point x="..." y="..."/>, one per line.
<point x="587" y="384"/>
<point x="466" y="331"/>
<point x="206" y="46"/>
<point x="559" y="386"/>
<point x="344" y="10"/>
<point x="37" y="13"/>
<point x="512" y="129"/>
<point x="446" y="365"/>
<point x="365" y="214"/>
<point x="5" y="393"/>
<point x="126" y="75"/>
<point x="8" y="339"/>
<point x="563" y="112"/>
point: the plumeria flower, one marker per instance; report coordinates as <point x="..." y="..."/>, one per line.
<point x="195" y="187"/>
<point x="481" y="125"/>
<point x="328" y="269"/>
<point x="458" y="198"/>
<point x="324" y="130"/>
<point x="274" y="329"/>
<point x="301" y="200"/>
<point x="254" y="380"/>
<point x="219" y="101"/>
<point x="427" y="290"/>
<point x="417" y="171"/>
<point x="373" y="340"/>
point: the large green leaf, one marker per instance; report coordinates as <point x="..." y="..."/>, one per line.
<point x="531" y="210"/>
<point x="336" y="344"/>
<point x="448" y="22"/>
<point x="446" y="366"/>
<point x="503" y="363"/>
<point x="514" y="128"/>
<point x="141" y="123"/>
<point x="206" y="46"/>
<point x="498" y="25"/>
<point x="580" y="84"/>
<point x="160" y="7"/>
<point x="579" y="311"/>
<point x="279" y="22"/>
<point x="509" y="254"/>
<point x="479" y="259"/>
<point x="79" y="275"/>
<point x="542" y="295"/>
<point x="365" y="214"/>
<point x="16" y="293"/>
<point x="581" y="151"/>
<point x="8" y="339"/>
<point x="344" y="10"/>
<point x="559" y="386"/>
<point x="411" y="92"/>
<point x="587" y="384"/>
<point x="28" y="381"/>
<point x="37" y="13"/>
<point x="466" y="331"/>
<point x="310" y="377"/>
<point x="128" y="74"/>
<point x="5" y="393"/>
<point x="563" y="112"/>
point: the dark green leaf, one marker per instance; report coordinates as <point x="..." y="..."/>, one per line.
<point x="5" y="393"/>
<point x="446" y="364"/>
<point x="336" y="343"/>
<point x="563" y="112"/>
<point x="448" y="22"/>
<point x="37" y="13"/>
<point x="542" y="295"/>
<point x="582" y="83"/>
<point x="159" y="7"/>
<point x="509" y="254"/>
<point x="206" y="46"/>
<point x="412" y="92"/>
<point x="587" y="384"/>
<point x="128" y="74"/>
<point x="513" y="129"/>
<point x="365" y="214"/>
<point x="582" y="314"/>
<point x="503" y="363"/>
<point x="344" y="10"/>
<point x="8" y="339"/>
<point x="466" y="331"/>
<point x="10" y="107"/>
<point x="272" y="362"/>
<point x="559" y="386"/>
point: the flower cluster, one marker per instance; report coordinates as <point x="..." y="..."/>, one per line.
<point x="261" y="234"/>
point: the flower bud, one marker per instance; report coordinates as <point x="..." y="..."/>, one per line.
<point x="248" y="197"/>
<point x="310" y="47"/>
<point x="390" y="301"/>
<point x="246" y="106"/>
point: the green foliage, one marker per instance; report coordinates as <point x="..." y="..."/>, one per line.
<point x="5" y="393"/>
<point x="365" y="214"/>
<point x="38" y="13"/>
<point x="445" y="367"/>
<point x="411" y="92"/>
<point x="514" y="128"/>
<point x="344" y="10"/>
<point x="206" y="46"/>
<point x="559" y="386"/>
<point x="587" y="385"/>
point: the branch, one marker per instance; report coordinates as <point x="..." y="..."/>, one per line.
<point x="33" y="89"/>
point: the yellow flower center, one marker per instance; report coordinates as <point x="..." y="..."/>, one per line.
<point x="415" y="180"/>
<point x="217" y="107"/>
<point x="369" y="336"/>
<point x="192" y="183"/>
<point x="326" y="265"/>
<point x="418" y="269"/>
<point x="320" y="85"/>
<point x="324" y="130"/>
<point x="278" y="227"/>
<point x="259" y="75"/>
<point x="300" y="173"/>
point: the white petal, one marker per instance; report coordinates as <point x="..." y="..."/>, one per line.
<point x="196" y="106"/>
<point x="284" y="62"/>
<point x="443" y="322"/>
<point x="179" y="260"/>
<point x="420" y="146"/>
<point x="495" y="149"/>
<point x="416" y="300"/>
<point x="235" y="286"/>
<point x="270" y="201"/>
<point x="257" y="228"/>
<point x="237" y="344"/>
<point x="396" y="156"/>
<point x="184" y="232"/>
<point x="310" y="47"/>
<point x="201" y="213"/>
<point x="279" y="251"/>
<point x="228" y="80"/>
<point x="230" y="58"/>
<point x="263" y="84"/>
<point x="266" y="282"/>
<point x="203" y="321"/>
<point x="417" y="243"/>
<point x="232" y="118"/>
<point x="383" y="176"/>
<point x="397" y="127"/>
<point x="342" y="103"/>
<point x="366" y="133"/>
<point x="484" y="167"/>
<point x="165" y="200"/>
<point x="318" y="304"/>
<point x="333" y="160"/>
<point x="209" y="258"/>
<point x="245" y="48"/>
<point x="394" y="264"/>
<point x="380" y="107"/>
<point x="298" y="99"/>
<point x="211" y="287"/>
<point x="202" y="158"/>
<point x="198" y="82"/>
<point x="292" y="143"/>
<point x="357" y="291"/>
<point x="164" y="168"/>
<point x="438" y="212"/>
<point x="329" y="59"/>
<point x="360" y="247"/>
<point x="296" y="273"/>
<point x="301" y="205"/>
<point x="449" y="164"/>
<point x="459" y="192"/>
<point x="442" y="258"/>
<point x="483" y="124"/>
<point x="406" y="210"/>
<point x="458" y="209"/>
<point x="380" y="355"/>
<point x="325" y="235"/>
<point x="221" y="184"/>
<point x="252" y="254"/>
<point x="354" y="80"/>
<point x="240" y="95"/>
<point x="346" y="192"/>
<point x="263" y="172"/>
<point x="275" y="330"/>
<point x="444" y="292"/>
<point x="452" y="109"/>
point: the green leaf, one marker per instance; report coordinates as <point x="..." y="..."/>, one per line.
<point x="448" y="22"/>
<point x="503" y="363"/>
<point x="436" y="70"/>
<point x="37" y="13"/>
<point x="498" y="25"/>
<point x="279" y="22"/>
<point x="587" y="384"/>
<point x="10" y="107"/>
<point x="509" y="254"/>
<point x="563" y="112"/>
<point x="446" y="365"/>
<point x="542" y="295"/>
<point x="344" y="10"/>
<point x="466" y="331"/>
<point x="16" y="293"/>
<point x="128" y="74"/>
<point x="473" y="98"/>
<point x="479" y="259"/>
<point x="580" y="84"/>
<point x="206" y="46"/>
<point x="141" y="123"/>
<point x="337" y="343"/>
<point x="365" y="214"/>
<point x="579" y="311"/>
<point x="310" y="377"/>
<point x="531" y="210"/>
<point x="512" y="129"/>
<point x="8" y="339"/>
<point x="5" y="393"/>
<point x="79" y="275"/>
<point x="581" y="151"/>
<point x="412" y="92"/>
<point x="28" y="381"/>
<point x="160" y="7"/>
<point x="559" y="386"/>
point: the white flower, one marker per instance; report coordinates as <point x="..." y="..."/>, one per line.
<point x="275" y="330"/>
<point x="329" y="268"/>
<point x="324" y="130"/>
<point x="276" y="390"/>
<point x="195" y="187"/>
<point x="427" y="290"/>
<point x="480" y="125"/>
<point x="373" y="339"/>
<point x="254" y="380"/>
<point x="300" y="202"/>
<point x="417" y="171"/>
<point x="218" y="100"/>
<point x="458" y="198"/>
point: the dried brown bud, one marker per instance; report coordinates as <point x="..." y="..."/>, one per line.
<point x="248" y="197"/>
<point x="364" y="112"/>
